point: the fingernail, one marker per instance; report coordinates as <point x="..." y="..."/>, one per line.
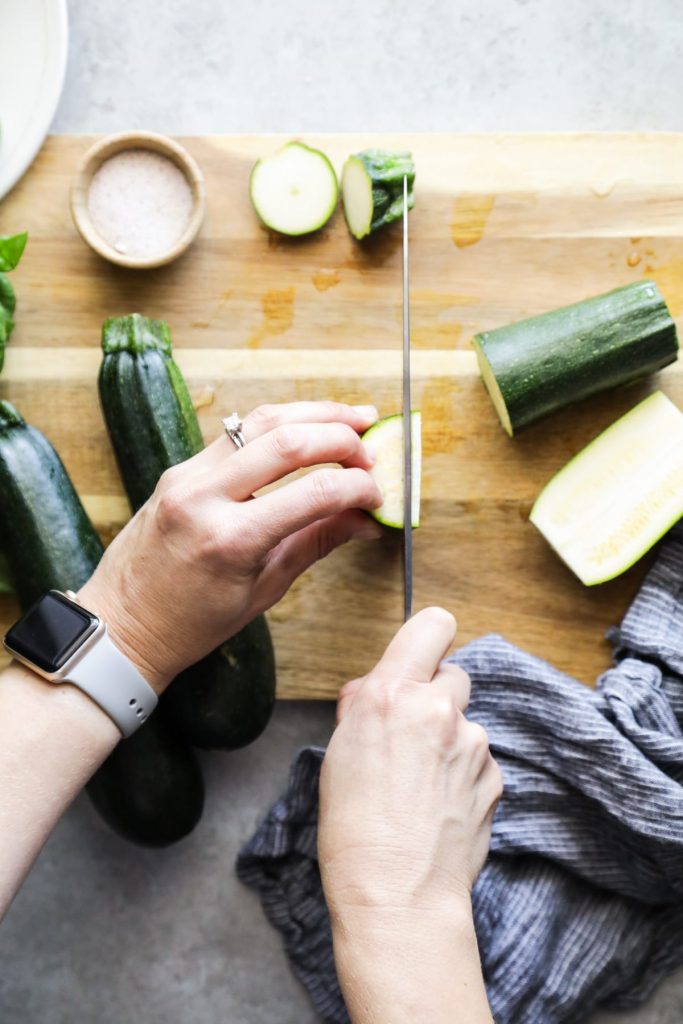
<point x="368" y="531"/>
<point x="368" y="412"/>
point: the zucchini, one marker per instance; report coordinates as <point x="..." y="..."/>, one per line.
<point x="5" y="578"/>
<point x="384" y="440"/>
<point x="294" y="190"/>
<point x="537" y="366"/>
<point x="150" y="788"/>
<point x="205" y="699"/>
<point x="618" y="496"/>
<point x="47" y="539"/>
<point x="372" y="189"/>
<point x="226" y="700"/>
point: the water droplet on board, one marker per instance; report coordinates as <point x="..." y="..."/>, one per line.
<point x="470" y="215"/>
<point x="205" y="397"/>
<point x="602" y="189"/>
<point x="324" y="279"/>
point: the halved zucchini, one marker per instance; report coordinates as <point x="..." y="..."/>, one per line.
<point x="618" y="496"/>
<point x="537" y="366"/>
<point x="384" y="440"/>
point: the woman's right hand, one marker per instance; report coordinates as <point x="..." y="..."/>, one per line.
<point x="202" y="557"/>
<point x="407" y="795"/>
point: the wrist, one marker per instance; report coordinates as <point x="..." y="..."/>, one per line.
<point x="127" y="632"/>
<point x="407" y="966"/>
<point x="402" y="925"/>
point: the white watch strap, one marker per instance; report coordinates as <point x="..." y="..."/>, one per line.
<point x="113" y="682"/>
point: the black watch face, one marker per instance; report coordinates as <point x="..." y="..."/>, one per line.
<point x="50" y="631"/>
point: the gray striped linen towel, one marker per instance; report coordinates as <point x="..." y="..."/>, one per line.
<point x="580" y="904"/>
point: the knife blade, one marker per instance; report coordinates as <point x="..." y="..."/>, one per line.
<point x="407" y="427"/>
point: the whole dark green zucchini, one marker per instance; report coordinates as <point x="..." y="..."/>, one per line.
<point x="537" y="366"/>
<point x="47" y="539"/>
<point x="150" y="789"/>
<point x="226" y="700"/>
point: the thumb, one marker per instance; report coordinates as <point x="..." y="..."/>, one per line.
<point x="418" y="648"/>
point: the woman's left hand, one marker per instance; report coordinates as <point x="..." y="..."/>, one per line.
<point x="202" y="557"/>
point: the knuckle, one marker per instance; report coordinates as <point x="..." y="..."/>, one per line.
<point x="334" y="410"/>
<point x="169" y="479"/>
<point x="287" y="442"/>
<point x="477" y="738"/>
<point x="171" y="502"/>
<point x="441" y="709"/>
<point x="384" y="696"/>
<point x="325" y="489"/>
<point x="264" y="417"/>
<point x="348" y="440"/>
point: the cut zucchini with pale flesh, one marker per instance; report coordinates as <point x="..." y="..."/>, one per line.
<point x="537" y="366"/>
<point x="618" y="496"/>
<point x="384" y="441"/>
<point x="372" y="189"/>
<point x="295" y="190"/>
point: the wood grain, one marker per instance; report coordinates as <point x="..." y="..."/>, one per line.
<point x="503" y="227"/>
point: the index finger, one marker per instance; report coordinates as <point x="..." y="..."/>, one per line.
<point x="265" y="418"/>
<point x="418" y="648"/>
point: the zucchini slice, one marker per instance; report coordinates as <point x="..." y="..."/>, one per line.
<point x="294" y="190"/>
<point x="384" y="440"/>
<point x="537" y="366"/>
<point x="372" y="189"/>
<point x="618" y="496"/>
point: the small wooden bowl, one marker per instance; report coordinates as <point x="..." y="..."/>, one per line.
<point x="93" y="160"/>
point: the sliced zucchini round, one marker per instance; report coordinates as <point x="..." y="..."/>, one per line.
<point x="295" y="190"/>
<point x="384" y="440"/>
<point x="618" y="496"/>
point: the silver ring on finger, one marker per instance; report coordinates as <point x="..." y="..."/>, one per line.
<point x="233" y="428"/>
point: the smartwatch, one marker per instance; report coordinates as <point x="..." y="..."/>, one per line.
<point x="64" y="643"/>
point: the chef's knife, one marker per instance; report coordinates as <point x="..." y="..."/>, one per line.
<point x="407" y="428"/>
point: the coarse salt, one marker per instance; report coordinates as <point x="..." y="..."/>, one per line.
<point x="140" y="203"/>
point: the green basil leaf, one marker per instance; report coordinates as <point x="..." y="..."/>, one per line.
<point x="11" y="248"/>
<point x="6" y="328"/>
<point x="8" y="299"/>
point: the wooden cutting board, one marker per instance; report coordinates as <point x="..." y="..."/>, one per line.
<point x="504" y="226"/>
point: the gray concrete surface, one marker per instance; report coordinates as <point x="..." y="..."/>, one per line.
<point x="103" y="932"/>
